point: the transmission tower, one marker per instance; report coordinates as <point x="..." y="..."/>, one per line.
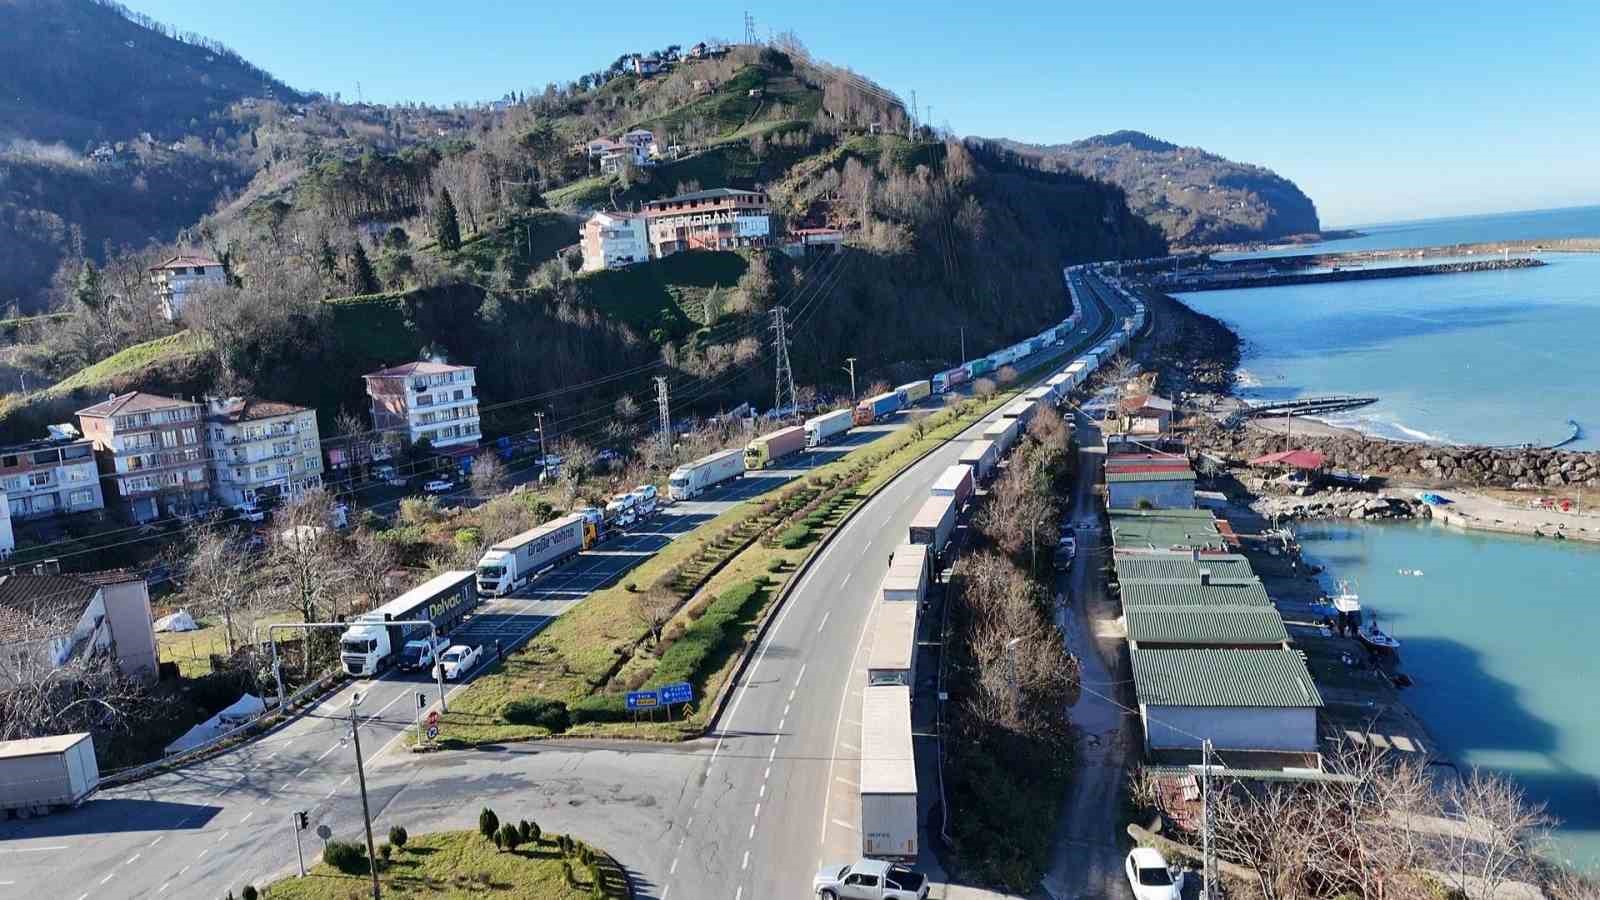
<point x="784" y="378"/>
<point x="666" y="416"/>
<point x="749" y="29"/>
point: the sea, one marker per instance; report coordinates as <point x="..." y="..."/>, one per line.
<point x="1498" y="358"/>
<point x="1498" y="633"/>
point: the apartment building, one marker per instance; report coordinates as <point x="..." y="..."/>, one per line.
<point x="433" y="401"/>
<point x="717" y="219"/>
<point x="150" y="454"/>
<point x="261" y="449"/>
<point x="54" y="476"/>
<point x="181" y="276"/>
<point x="612" y="240"/>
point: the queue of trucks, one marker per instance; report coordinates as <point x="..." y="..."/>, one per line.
<point x="511" y="563"/>
<point x="374" y="640"/>
<point x="773" y="446"/>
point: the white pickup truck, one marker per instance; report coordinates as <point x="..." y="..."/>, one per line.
<point x="870" y="879"/>
<point x="459" y="660"/>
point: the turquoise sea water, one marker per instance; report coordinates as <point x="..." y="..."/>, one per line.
<point x="1578" y="221"/>
<point x="1499" y="634"/>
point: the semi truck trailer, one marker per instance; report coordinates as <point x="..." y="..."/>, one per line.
<point x="875" y="408"/>
<point x="933" y="524"/>
<point x="914" y="392"/>
<point x="893" y="659"/>
<point x="888" y="782"/>
<point x="981" y="456"/>
<point x="690" y="480"/>
<point x="510" y="564"/>
<point x="41" y="775"/>
<point x="944" y="381"/>
<point x="769" y="448"/>
<point x="824" y="428"/>
<point x="371" y="644"/>
<point x="955" y="481"/>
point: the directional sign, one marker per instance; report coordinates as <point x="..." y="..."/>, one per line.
<point x="677" y="692"/>
<point x="433" y="732"/>
<point x="643" y="700"/>
<point x="433" y="720"/>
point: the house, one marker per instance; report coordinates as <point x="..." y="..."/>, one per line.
<point x="716" y="219"/>
<point x="48" y="620"/>
<point x="615" y="161"/>
<point x="180" y="276"/>
<point x="261" y="449"/>
<point x="803" y="242"/>
<point x="150" y="454"/>
<point x="50" y="477"/>
<point x="599" y="147"/>
<point x="431" y="401"/>
<point x="1186" y="627"/>
<point x="1241" y="700"/>
<point x="645" y="66"/>
<point x="698" y="51"/>
<point x="1146" y="414"/>
<point x="8" y="538"/>
<point x="639" y="139"/>
<point x="612" y="240"/>
<point x="1164" y="529"/>
<point x="1156" y="488"/>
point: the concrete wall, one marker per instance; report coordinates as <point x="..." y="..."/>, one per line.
<point x="1230" y="728"/>
<point x="1160" y="494"/>
<point x="127" y="608"/>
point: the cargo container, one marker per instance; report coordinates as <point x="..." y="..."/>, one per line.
<point x="893" y="658"/>
<point x="876" y="408"/>
<point x="979" y="367"/>
<point x="690" y="480"/>
<point x="888" y="782"/>
<point x="981" y="456"/>
<point x="933" y="524"/>
<point x="956" y="482"/>
<point x="915" y="392"/>
<point x="1060" y="385"/>
<point x="40" y="775"/>
<point x="1003" y="433"/>
<point x="908" y="575"/>
<point x="769" y="448"/>
<point x="944" y="381"/>
<point x="1079" y="371"/>
<point x="1040" y="396"/>
<point x="1020" y="409"/>
<point x="371" y="644"/>
<point x="511" y="563"/>
<point x="822" y="429"/>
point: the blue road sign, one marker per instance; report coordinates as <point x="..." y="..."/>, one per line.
<point x="677" y="692"/>
<point x="638" y="700"/>
<point x="433" y="732"/>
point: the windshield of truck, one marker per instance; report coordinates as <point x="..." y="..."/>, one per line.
<point x="491" y="573"/>
<point x="358" y="646"/>
<point x="452" y="656"/>
<point x="679" y="481"/>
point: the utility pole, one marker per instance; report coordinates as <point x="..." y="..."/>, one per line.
<point x="911" y="121"/>
<point x="366" y="812"/>
<point x="850" y="366"/>
<point x="784" y="378"/>
<point x="1207" y="862"/>
<point x="542" y="455"/>
<point x="963" y="343"/>
<point x="749" y="29"/>
<point x="297" y="824"/>
<point x="664" y="414"/>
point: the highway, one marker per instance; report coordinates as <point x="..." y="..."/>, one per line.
<point x="747" y="811"/>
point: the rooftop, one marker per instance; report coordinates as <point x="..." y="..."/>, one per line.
<point x="1213" y="625"/>
<point x="40" y="606"/>
<point x="420" y="367"/>
<point x="1164" y="529"/>
<point x="133" y="401"/>
<point x="250" y="409"/>
<point x="1136" y="566"/>
<point x="184" y="261"/>
<point x="1165" y="474"/>
<point x="1223" y="678"/>
<point x="1146" y="402"/>
<point x="712" y="194"/>
<point x="40" y="745"/>
<point x="1239" y="592"/>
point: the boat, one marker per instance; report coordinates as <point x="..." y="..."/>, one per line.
<point x="1375" y="637"/>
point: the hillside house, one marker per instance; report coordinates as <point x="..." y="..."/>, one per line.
<point x="48" y="620"/>
<point x="1146" y="414"/>
<point x="261" y="449"/>
<point x="804" y="242"/>
<point x="612" y="240"/>
<point x="50" y="477"/>
<point x="430" y="401"/>
<point x="599" y="147"/>
<point x="716" y="219"/>
<point x="8" y="538"/>
<point x="179" y="277"/>
<point x="150" y="455"/>
<point x="645" y="66"/>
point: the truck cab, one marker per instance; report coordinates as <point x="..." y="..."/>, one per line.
<point x="496" y="573"/>
<point x="594" y="525"/>
<point x="364" y="646"/>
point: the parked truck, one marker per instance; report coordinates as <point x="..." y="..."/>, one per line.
<point x="769" y="448"/>
<point x="933" y="524"/>
<point x="944" y="381"/>
<point x="620" y="511"/>
<point x="888" y="773"/>
<point x="878" y="407"/>
<point x="981" y="456"/>
<point x="44" y="774"/>
<point x="690" y="480"/>
<point x="509" y="564"/>
<point x="914" y="392"/>
<point x="822" y="429"/>
<point x="1003" y="434"/>
<point x="893" y="658"/>
<point x="955" y="481"/>
<point x="907" y="578"/>
<point x="371" y="644"/>
<point x="1020" y="409"/>
<point x="979" y="367"/>
<point x="1040" y="397"/>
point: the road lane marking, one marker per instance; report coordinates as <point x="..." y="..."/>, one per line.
<point x="802" y="675"/>
<point x="222" y="837"/>
<point x="850" y="746"/>
<point x="131" y="860"/>
<point x="673" y="869"/>
<point x="327" y="751"/>
<point x="109" y="876"/>
<point x="846" y="579"/>
<point x="203" y="853"/>
<point x="775" y="738"/>
<point x="158" y="840"/>
<point x="824" y="621"/>
<point x="182" y="870"/>
<point x="665" y="891"/>
<point x="773" y="752"/>
<point x="786" y="709"/>
<point x="758" y="812"/>
<point x="302" y="772"/>
<point x="763" y="793"/>
<point x="285" y="786"/>
<point x="843" y="780"/>
<point x="750" y="837"/>
<point x="781" y="723"/>
<point x="746" y="863"/>
<point x="768" y="775"/>
<point x="689" y="824"/>
<point x="838" y="725"/>
<point x="739" y="894"/>
<point x="843" y="824"/>
<point x="247" y="817"/>
<point x="163" y="888"/>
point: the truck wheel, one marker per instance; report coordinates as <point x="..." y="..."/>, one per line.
<point x="829" y="895"/>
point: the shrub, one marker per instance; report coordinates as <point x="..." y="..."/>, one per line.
<point x="525" y="829"/>
<point x="534" y="832"/>
<point x="794" y="537"/>
<point x="775" y="566"/>
<point x="249" y="892"/>
<point x="488" y="822"/>
<point x="566" y="874"/>
<point x="541" y="711"/>
<point x="345" y="856"/>
<point x="499" y="841"/>
<point x="631" y="587"/>
<point x="385" y="851"/>
<point x="685" y="658"/>
<point x="510" y="836"/>
<point x="398" y="836"/>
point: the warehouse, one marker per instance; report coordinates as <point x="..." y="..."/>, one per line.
<point x="1189" y="565"/>
<point x="1150" y="489"/>
<point x="1165" y="529"/>
<point x="1178" y="592"/>
<point x="1192" y="627"/>
<point x="1241" y="700"/>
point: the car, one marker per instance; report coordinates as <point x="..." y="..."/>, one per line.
<point x="1150" y="876"/>
<point x="870" y="879"/>
<point x="439" y="486"/>
<point x="419" y="654"/>
<point x="250" y="512"/>
<point x="458" y="661"/>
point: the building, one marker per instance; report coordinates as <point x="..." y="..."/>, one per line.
<point x="1165" y="529"/>
<point x="1158" y="489"/>
<point x="8" y="538"/>
<point x="1241" y="700"/>
<point x="612" y="240"/>
<point x="1185" y="627"/>
<point x="150" y="454"/>
<point x="261" y="449"/>
<point x="717" y="219"/>
<point x="1204" y="592"/>
<point x="182" y="275"/>
<point x="51" y="477"/>
<point x="1184" y="565"/>
<point x="640" y="140"/>
<point x="48" y="620"/>
<point x="427" y="401"/>
<point x="599" y="147"/>
<point x="804" y="242"/>
<point x="645" y="66"/>
<point x="1146" y="414"/>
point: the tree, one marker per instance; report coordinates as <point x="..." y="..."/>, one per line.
<point x="307" y="558"/>
<point x="362" y="279"/>
<point x="510" y="836"/>
<point x="369" y="559"/>
<point x="489" y="476"/>
<point x="220" y="579"/>
<point x="488" y="822"/>
<point x="577" y="459"/>
<point x="1499" y="835"/>
<point x="654" y="608"/>
<point x="983" y="388"/>
<point x="445" y="224"/>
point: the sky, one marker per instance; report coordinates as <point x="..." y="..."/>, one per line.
<point x="1379" y="112"/>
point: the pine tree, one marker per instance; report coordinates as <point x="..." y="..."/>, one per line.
<point x="89" y="292"/>
<point x="362" y="279"/>
<point x="445" y="223"/>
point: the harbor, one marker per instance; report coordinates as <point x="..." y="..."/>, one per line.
<point x="1223" y="276"/>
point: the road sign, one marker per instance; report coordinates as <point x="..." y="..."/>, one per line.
<point x="433" y="721"/>
<point x="677" y="692"/>
<point x="433" y="732"/>
<point x="638" y="700"/>
<point x="324" y="832"/>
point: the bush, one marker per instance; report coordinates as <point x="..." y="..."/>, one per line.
<point x="249" y="892"/>
<point x="488" y="822"/>
<point x="793" y="537"/>
<point x="345" y="856"/>
<point x="510" y="836"/>
<point x="775" y="566"/>
<point x="600" y="708"/>
<point x="385" y="851"/>
<point x="566" y="874"/>
<point x="534" y="832"/>
<point x="541" y="711"/>
<point x="398" y="836"/>
<point x="687" y="656"/>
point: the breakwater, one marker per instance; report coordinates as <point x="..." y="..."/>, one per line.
<point x="1222" y="281"/>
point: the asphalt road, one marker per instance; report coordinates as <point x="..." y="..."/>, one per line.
<point x="748" y="811"/>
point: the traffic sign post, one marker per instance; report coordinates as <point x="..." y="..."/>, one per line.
<point x="677" y="692"/>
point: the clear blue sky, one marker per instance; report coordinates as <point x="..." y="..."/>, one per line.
<point x="1379" y="111"/>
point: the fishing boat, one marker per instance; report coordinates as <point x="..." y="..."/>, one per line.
<point x="1375" y="637"/>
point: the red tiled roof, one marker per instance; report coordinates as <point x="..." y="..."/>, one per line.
<point x="184" y="261"/>
<point x="133" y="401"/>
<point x="420" y="367"/>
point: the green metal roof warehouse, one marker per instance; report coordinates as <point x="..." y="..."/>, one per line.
<point x="1257" y="700"/>
<point x="1206" y="626"/>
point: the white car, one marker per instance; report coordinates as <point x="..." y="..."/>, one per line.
<point x="1151" y="877"/>
<point x="250" y="512"/>
<point x="869" y="879"/>
<point x="459" y="660"/>
<point x="439" y="486"/>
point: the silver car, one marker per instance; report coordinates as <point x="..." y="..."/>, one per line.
<point x="870" y="879"/>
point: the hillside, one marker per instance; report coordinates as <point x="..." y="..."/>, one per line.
<point x="1195" y="197"/>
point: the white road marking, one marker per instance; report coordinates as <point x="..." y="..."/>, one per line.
<point x="330" y="793"/>
<point x="131" y="860"/>
<point x="223" y="836"/>
<point x="775" y="738"/>
<point x="739" y="894"/>
<point x="247" y="817"/>
<point x="665" y="891"/>
<point x="673" y="869"/>
<point x="772" y="753"/>
<point x="846" y="579"/>
<point x="850" y="746"/>
<point x="689" y="824"/>
<point x="781" y="723"/>
<point x="109" y="876"/>
<point x="327" y="751"/>
<point x="752" y="834"/>
<point x="302" y="772"/>
<point x="824" y="620"/>
<point x="158" y="840"/>
<point x="182" y="870"/>
<point x="763" y="794"/>
<point x="843" y="780"/>
<point x="203" y="853"/>
<point x="842" y="824"/>
<point x="827" y="796"/>
<point x="758" y="812"/>
<point x="768" y="774"/>
<point x="746" y="863"/>
<point x="285" y="786"/>
<point x="802" y="675"/>
<point x="163" y="888"/>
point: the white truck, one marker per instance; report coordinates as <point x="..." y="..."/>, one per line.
<point x="822" y="429"/>
<point x="690" y="480"/>
<point x="907" y="578"/>
<point x="981" y="456"/>
<point x="40" y="775"/>
<point x="933" y="524"/>
<point x="893" y="658"/>
<point x="371" y="644"/>
<point x="1003" y="433"/>
<point x="888" y="781"/>
<point x="510" y="564"/>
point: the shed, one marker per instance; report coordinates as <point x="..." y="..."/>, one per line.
<point x="1136" y="565"/>
<point x="1256" y="700"/>
<point x="1222" y="625"/>
<point x="1154" y="489"/>
<point x="1238" y="592"/>
<point x="1164" y="529"/>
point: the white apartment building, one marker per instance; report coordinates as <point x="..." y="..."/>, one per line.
<point x="55" y="476"/>
<point x="261" y="449"/>
<point x="8" y="538"/>
<point x="433" y="401"/>
<point x="177" y="278"/>
<point x="612" y="240"/>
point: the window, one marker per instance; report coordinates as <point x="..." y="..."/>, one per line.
<point x="461" y="395"/>
<point x="38" y="479"/>
<point x="424" y="399"/>
<point x="79" y="473"/>
<point x="12" y="484"/>
<point x="44" y="503"/>
<point x="283" y="448"/>
<point x="285" y="468"/>
<point x="169" y="439"/>
<point x="9" y="462"/>
<point x="262" y="472"/>
<point x="190" y="436"/>
<point x="81" y="498"/>
<point x="197" y="475"/>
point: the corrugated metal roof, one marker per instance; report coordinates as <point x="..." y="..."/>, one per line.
<point x="1230" y="678"/>
<point x="1181" y="566"/>
<point x="888" y="765"/>
<point x="1240" y="592"/>
<point x="1210" y="625"/>
<point x="1149" y="475"/>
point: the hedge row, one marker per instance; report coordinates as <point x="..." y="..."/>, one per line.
<point x="686" y="658"/>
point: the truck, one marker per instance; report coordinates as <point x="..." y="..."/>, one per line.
<point x="1003" y="433"/>
<point x="44" y="774"/>
<point x="690" y="480"/>
<point x="914" y="392"/>
<point x="955" y="481"/>
<point x="1020" y="409"/>
<point x="933" y="523"/>
<point x="510" y="564"/>
<point x="419" y="654"/>
<point x="877" y="407"/>
<point x="907" y="578"/>
<point x="769" y="448"/>
<point x="644" y="500"/>
<point x="822" y="429"/>
<point x="620" y="511"/>
<point x="1060" y="385"/>
<point x="371" y="644"/>
<point x="1041" y="397"/>
<point x="888" y="782"/>
<point x="979" y="367"/>
<point x="981" y="456"/>
<point x="893" y="658"/>
<point x="944" y="381"/>
<point x="594" y="525"/>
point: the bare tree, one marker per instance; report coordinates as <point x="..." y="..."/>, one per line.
<point x="1267" y="828"/>
<point x="306" y="556"/>
<point x="369" y="560"/>
<point x="1006" y="375"/>
<point x="88" y="692"/>
<point x="489" y="476"/>
<point x="654" y="608"/>
<point x="221" y="579"/>
<point x="577" y="460"/>
<point x="1498" y="836"/>
<point x="983" y="388"/>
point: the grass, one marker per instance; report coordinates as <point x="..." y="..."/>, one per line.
<point x="192" y="650"/>
<point x="666" y="295"/>
<point x="131" y="362"/>
<point x="456" y="864"/>
<point x="551" y="232"/>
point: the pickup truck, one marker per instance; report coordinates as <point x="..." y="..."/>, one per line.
<point x="421" y="654"/>
<point x="459" y="660"/>
<point x="870" y="879"/>
<point x="439" y="486"/>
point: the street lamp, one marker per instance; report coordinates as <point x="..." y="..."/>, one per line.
<point x="361" y="776"/>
